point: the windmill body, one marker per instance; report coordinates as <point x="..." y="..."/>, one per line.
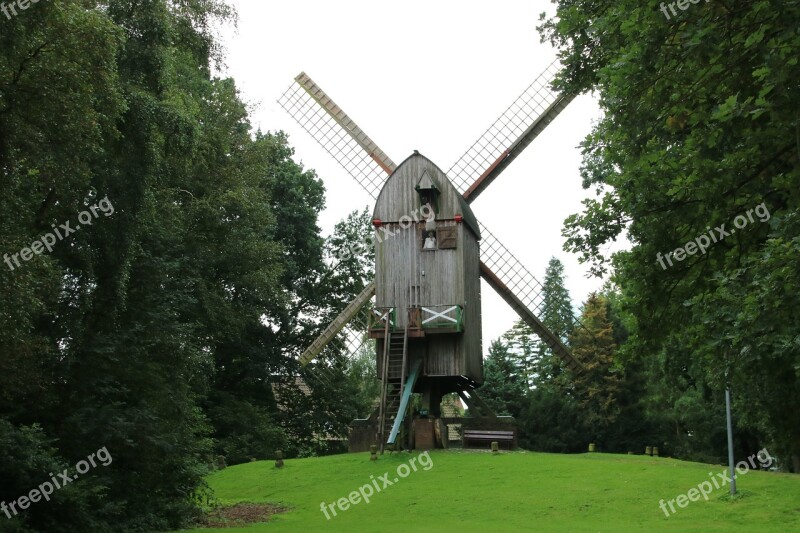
<point x="427" y="278"/>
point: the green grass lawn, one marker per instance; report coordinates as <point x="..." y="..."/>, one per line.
<point x="513" y="491"/>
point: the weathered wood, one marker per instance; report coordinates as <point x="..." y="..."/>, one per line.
<point x="401" y="411"/>
<point x="488" y="435"/>
<point x="498" y="436"/>
<point x="517" y="147"/>
<point x="408" y="277"/>
<point x="529" y="318"/>
<point x="384" y="385"/>
<point x="345" y="122"/>
<point x="338" y="323"/>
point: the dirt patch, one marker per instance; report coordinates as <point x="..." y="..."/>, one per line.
<point x="241" y="514"/>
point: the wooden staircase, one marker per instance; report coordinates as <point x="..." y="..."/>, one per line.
<point x="397" y="352"/>
<point x="394" y="368"/>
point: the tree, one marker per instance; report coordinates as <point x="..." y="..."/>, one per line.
<point x="363" y="372"/>
<point x="558" y="316"/>
<point x="552" y="421"/>
<point x="635" y="426"/>
<point x="540" y="366"/>
<point x="696" y="161"/>
<point x="155" y="330"/>
<point x="504" y="386"/>
<point x="524" y="348"/>
<point x="596" y="388"/>
<point x="338" y="386"/>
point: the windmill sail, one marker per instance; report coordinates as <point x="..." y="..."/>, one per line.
<point x="338" y="324"/>
<point x="503" y="141"/>
<point x="335" y="131"/>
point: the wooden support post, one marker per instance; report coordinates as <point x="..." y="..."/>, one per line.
<point x="384" y="384"/>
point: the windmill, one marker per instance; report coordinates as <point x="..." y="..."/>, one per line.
<point x="426" y="318"/>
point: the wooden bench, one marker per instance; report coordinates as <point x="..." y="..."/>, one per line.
<point x="488" y="436"/>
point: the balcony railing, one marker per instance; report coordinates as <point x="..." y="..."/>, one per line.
<point x="428" y="319"/>
<point x="379" y="316"/>
<point x="442" y="317"/>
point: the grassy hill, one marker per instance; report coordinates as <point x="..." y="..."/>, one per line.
<point x="516" y="491"/>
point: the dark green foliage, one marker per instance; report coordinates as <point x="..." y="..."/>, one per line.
<point x="555" y="311"/>
<point x="28" y="458"/>
<point x="596" y="388"/>
<point x="700" y="127"/>
<point x="363" y="373"/>
<point x="243" y="431"/>
<point x="557" y="314"/>
<point x="504" y="386"/>
<point x="158" y="330"/>
<point x="551" y="421"/>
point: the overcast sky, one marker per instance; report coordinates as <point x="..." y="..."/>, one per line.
<point x="427" y="76"/>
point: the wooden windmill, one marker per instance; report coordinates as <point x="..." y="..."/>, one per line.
<point x="427" y="309"/>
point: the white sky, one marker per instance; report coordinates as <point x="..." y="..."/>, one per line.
<point x="430" y="76"/>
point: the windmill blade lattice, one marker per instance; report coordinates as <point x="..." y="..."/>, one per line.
<point x="351" y="339"/>
<point x="348" y="314"/>
<point x="325" y="121"/>
<point x="515" y="284"/>
<point x="503" y="141"/>
<point x="509" y="269"/>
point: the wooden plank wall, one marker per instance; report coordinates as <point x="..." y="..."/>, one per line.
<point x="473" y="328"/>
<point x="398" y="196"/>
<point x="406" y="276"/>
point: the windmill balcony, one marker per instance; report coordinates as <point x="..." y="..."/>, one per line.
<point x="423" y="320"/>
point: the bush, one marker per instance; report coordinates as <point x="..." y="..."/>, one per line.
<point x="245" y="431"/>
<point x="27" y="460"/>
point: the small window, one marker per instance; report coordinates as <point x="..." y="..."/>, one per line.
<point x="428" y="192"/>
<point x="446" y="237"/>
<point x="429" y="241"/>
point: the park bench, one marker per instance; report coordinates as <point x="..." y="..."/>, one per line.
<point x="488" y="436"/>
